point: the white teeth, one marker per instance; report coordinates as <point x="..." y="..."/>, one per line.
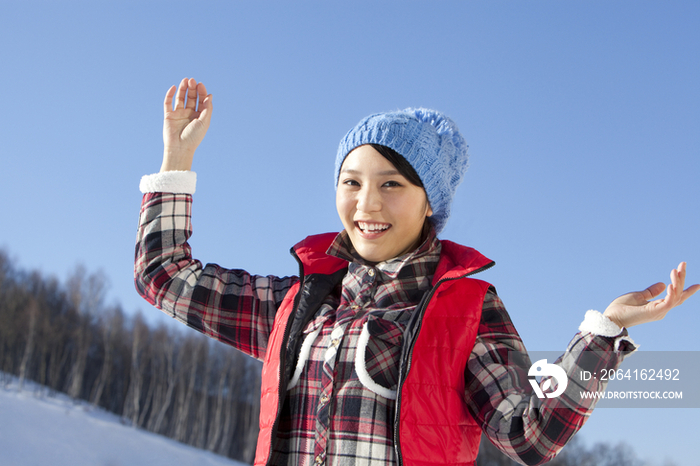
<point x="372" y="226"/>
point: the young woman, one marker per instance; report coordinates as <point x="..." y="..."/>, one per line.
<point x="385" y="349"/>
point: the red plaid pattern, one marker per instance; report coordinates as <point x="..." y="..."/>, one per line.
<point x="229" y="305"/>
<point x="332" y="414"/>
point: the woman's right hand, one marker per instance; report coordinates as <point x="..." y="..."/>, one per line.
<point x="184" y="126"/>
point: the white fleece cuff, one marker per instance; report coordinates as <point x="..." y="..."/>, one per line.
<point x="179" y="182"/>
<point x="597" y="324"/>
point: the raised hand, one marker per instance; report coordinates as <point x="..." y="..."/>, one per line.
<point x="185" y="125"/>
<point x="637" y="308"/>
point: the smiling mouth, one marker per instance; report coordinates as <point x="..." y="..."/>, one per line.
<point x="372" y="227"/>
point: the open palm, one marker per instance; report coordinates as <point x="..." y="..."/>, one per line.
<point x="185" y="123"/>
<point x="640" y="307"/>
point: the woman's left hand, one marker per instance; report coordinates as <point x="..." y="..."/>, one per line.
<point x="637" y="308"/>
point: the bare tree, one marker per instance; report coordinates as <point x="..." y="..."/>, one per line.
<point x="199" y="428"/>
<point x="216" y="422"/>
<point x="14" y="330"/>
<point x="132" y="403"/>
<point x="187" y="374"/>
<point x="233" y="395"/>
<point x="33" y="316"/>
<point x="48" y="296"/>
<point x="111" y="326"/>
<point x="86" y="293"/>
<point x="164" y="376"/>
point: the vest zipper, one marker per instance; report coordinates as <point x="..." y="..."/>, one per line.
<point x="402" y="377"/>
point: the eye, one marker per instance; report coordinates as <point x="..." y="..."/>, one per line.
<point x="392" y="184"/>
<point x="351" y="182"/>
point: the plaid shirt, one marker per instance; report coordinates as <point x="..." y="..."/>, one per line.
<point x="339" y="408"/>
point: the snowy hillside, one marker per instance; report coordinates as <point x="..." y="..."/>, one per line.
<point x="41" y="430"/>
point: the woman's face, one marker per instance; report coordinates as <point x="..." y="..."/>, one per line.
<point x="381" y="211"/>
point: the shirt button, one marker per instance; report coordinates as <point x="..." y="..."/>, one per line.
<point x="355" y="307"/>
<point x="324" y="399"/>
<point x="319" y="460"/>
<point x="335" y="342"/>
<point x="371" y="272"/>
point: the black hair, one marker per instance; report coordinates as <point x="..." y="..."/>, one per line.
<point x="400" y="163"/>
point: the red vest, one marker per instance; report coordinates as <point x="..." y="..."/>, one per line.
<point x="433" y="425"/>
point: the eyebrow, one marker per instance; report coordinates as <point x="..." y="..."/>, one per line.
<point x="358" y="172"/>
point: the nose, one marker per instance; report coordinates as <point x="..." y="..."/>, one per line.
<point x="369" y="200"/>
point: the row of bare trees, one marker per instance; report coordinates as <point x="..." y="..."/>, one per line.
<point x="179" y="384"/>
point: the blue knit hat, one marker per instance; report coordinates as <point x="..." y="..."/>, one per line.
<point x="428" y="140"/>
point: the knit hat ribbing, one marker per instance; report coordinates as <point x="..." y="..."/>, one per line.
<point x="428" y="140"/>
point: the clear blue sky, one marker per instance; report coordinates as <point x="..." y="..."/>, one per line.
<point x="583" y="120"/>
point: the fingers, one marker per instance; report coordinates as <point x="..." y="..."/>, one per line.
<point x="676" y="275"/>
<point x="189" y="94"/>
<point x="676" y="289"/>
<point x="202" y="92"/>
<point x="205" y="107"/>
<point x="675" y="294"/>
<point x="681" y="268"/>
<point x="180" y="96"/>
<point x="689" y="292"/>
<point x="680" y="278"/>
<point x="653" y="291"/>
<point x="168" y="102"/>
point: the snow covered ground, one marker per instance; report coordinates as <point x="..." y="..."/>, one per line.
<point x="41" y="430"/>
